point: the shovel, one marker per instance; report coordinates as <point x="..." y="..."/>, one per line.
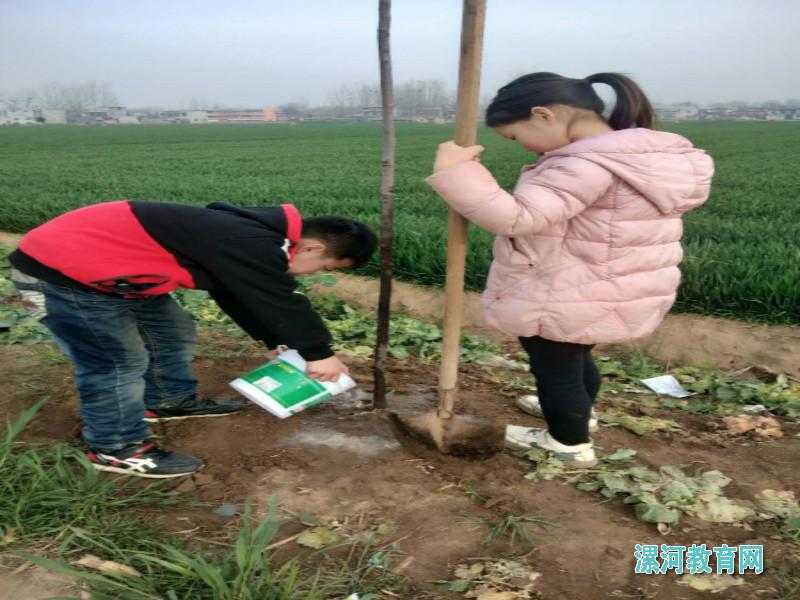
<point x="451" y="433"/>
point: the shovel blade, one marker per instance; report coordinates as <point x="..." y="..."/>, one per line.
<point x="458" y="434"/>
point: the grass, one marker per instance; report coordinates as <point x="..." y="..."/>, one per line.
<point x="242" y="571"/>
<point x="49" y="494"/>
<point x="788" y="583"/>
<point x="514" y="527"/>
<point x="55" y="508"/>
<point x="742" y="247"/>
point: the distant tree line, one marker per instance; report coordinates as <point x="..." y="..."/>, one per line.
<point x="75" y="98"/>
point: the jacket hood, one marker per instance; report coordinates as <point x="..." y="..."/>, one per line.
<point x="272" y="216"/>
<point x="664" y="167"/>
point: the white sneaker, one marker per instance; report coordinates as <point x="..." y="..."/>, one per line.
<point x="530" y="404"/>
<point x="525" y="438"/>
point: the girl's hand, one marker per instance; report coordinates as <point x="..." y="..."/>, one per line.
<point x="450" y="154"/>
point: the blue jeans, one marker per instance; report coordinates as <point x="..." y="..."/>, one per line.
<point x="129" y="354"/>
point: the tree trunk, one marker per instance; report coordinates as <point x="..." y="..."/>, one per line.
<point x="387" y="208"/>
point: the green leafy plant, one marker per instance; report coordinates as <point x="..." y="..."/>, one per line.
<point x="353" y="329"/>
<point x="719" y="393"/>
<point x="657" y="496"/>
<point x="781" y="396"/>
<point x="491" y="578"/>
<point x="662" y="496"/>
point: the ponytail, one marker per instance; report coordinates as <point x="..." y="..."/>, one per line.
<point x="632" y="108"/>
<point x="514" y="101"/>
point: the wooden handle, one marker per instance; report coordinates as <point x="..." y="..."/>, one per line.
<point x="469" y="77"/>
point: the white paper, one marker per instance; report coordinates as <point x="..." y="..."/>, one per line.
<point x="667" y="385"/>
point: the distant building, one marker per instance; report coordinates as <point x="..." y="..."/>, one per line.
<point x="752" y="113"/>
<point x="101" y="116"/>
<point x="89" y="117"/>
<point x="789" y="113"/>
<point x="181" y="116"/>
<point x="115" y="113"/>
<point x="748" y="114"/>
<point x="53" y="116"/>
<point x="242" y="115"/>
<point x="714" y="114"/>
<point x="197" y="116"/>
<point x="370" y="113"/>
<point x="11" y="113"/>
<point x="426" y="114"/>
<point x="676" y="113"/>
<point x="17" y="117"/>
<point x="667" y="114"/>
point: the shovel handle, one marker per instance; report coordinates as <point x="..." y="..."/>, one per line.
<point x="469" y="76"/>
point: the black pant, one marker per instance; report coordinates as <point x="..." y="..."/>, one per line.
<point x="568" y="382"/>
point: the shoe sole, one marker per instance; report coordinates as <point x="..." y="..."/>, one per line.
<point x="527" y="411"/>
<point x="110" y="469"/>
<point x="585" y="464"/>
<point x="593" y="427"/>
<point x="580" y="464"/>
<point x="520" y="446"/>
<point x="182" y="417"/>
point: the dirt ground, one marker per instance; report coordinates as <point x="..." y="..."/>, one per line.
<point x="343" y="460"/>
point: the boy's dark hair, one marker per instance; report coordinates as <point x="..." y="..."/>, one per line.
<point x="344" y="238"/>
<point x="514" y="101"/>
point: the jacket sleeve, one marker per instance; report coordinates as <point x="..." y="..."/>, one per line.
<point x="542" y="199"/>
<point x="261" y="296"/>
<point x="231" y="306"/>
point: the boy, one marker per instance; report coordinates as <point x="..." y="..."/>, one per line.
<point x="99" y="278"/>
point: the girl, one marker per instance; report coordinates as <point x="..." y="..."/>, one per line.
<point x="588" y="244"/>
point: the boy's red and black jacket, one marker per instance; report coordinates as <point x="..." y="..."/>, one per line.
<point x="133" y="249"/>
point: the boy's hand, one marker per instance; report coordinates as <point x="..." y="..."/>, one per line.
<point x="327" y="369"/>
<point x="450" y="154"/>
<point x="272" y="354"/>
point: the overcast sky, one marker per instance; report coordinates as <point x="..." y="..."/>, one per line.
<point x="267" y="52"/>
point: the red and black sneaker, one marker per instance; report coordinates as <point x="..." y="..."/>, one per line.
<point x="192" y="406"/>
<point x="144" y="459"/>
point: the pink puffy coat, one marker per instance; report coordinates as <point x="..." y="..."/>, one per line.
<point x="588" y="244"/>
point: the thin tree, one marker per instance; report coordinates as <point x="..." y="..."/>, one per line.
<point x="387" y="208"/>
